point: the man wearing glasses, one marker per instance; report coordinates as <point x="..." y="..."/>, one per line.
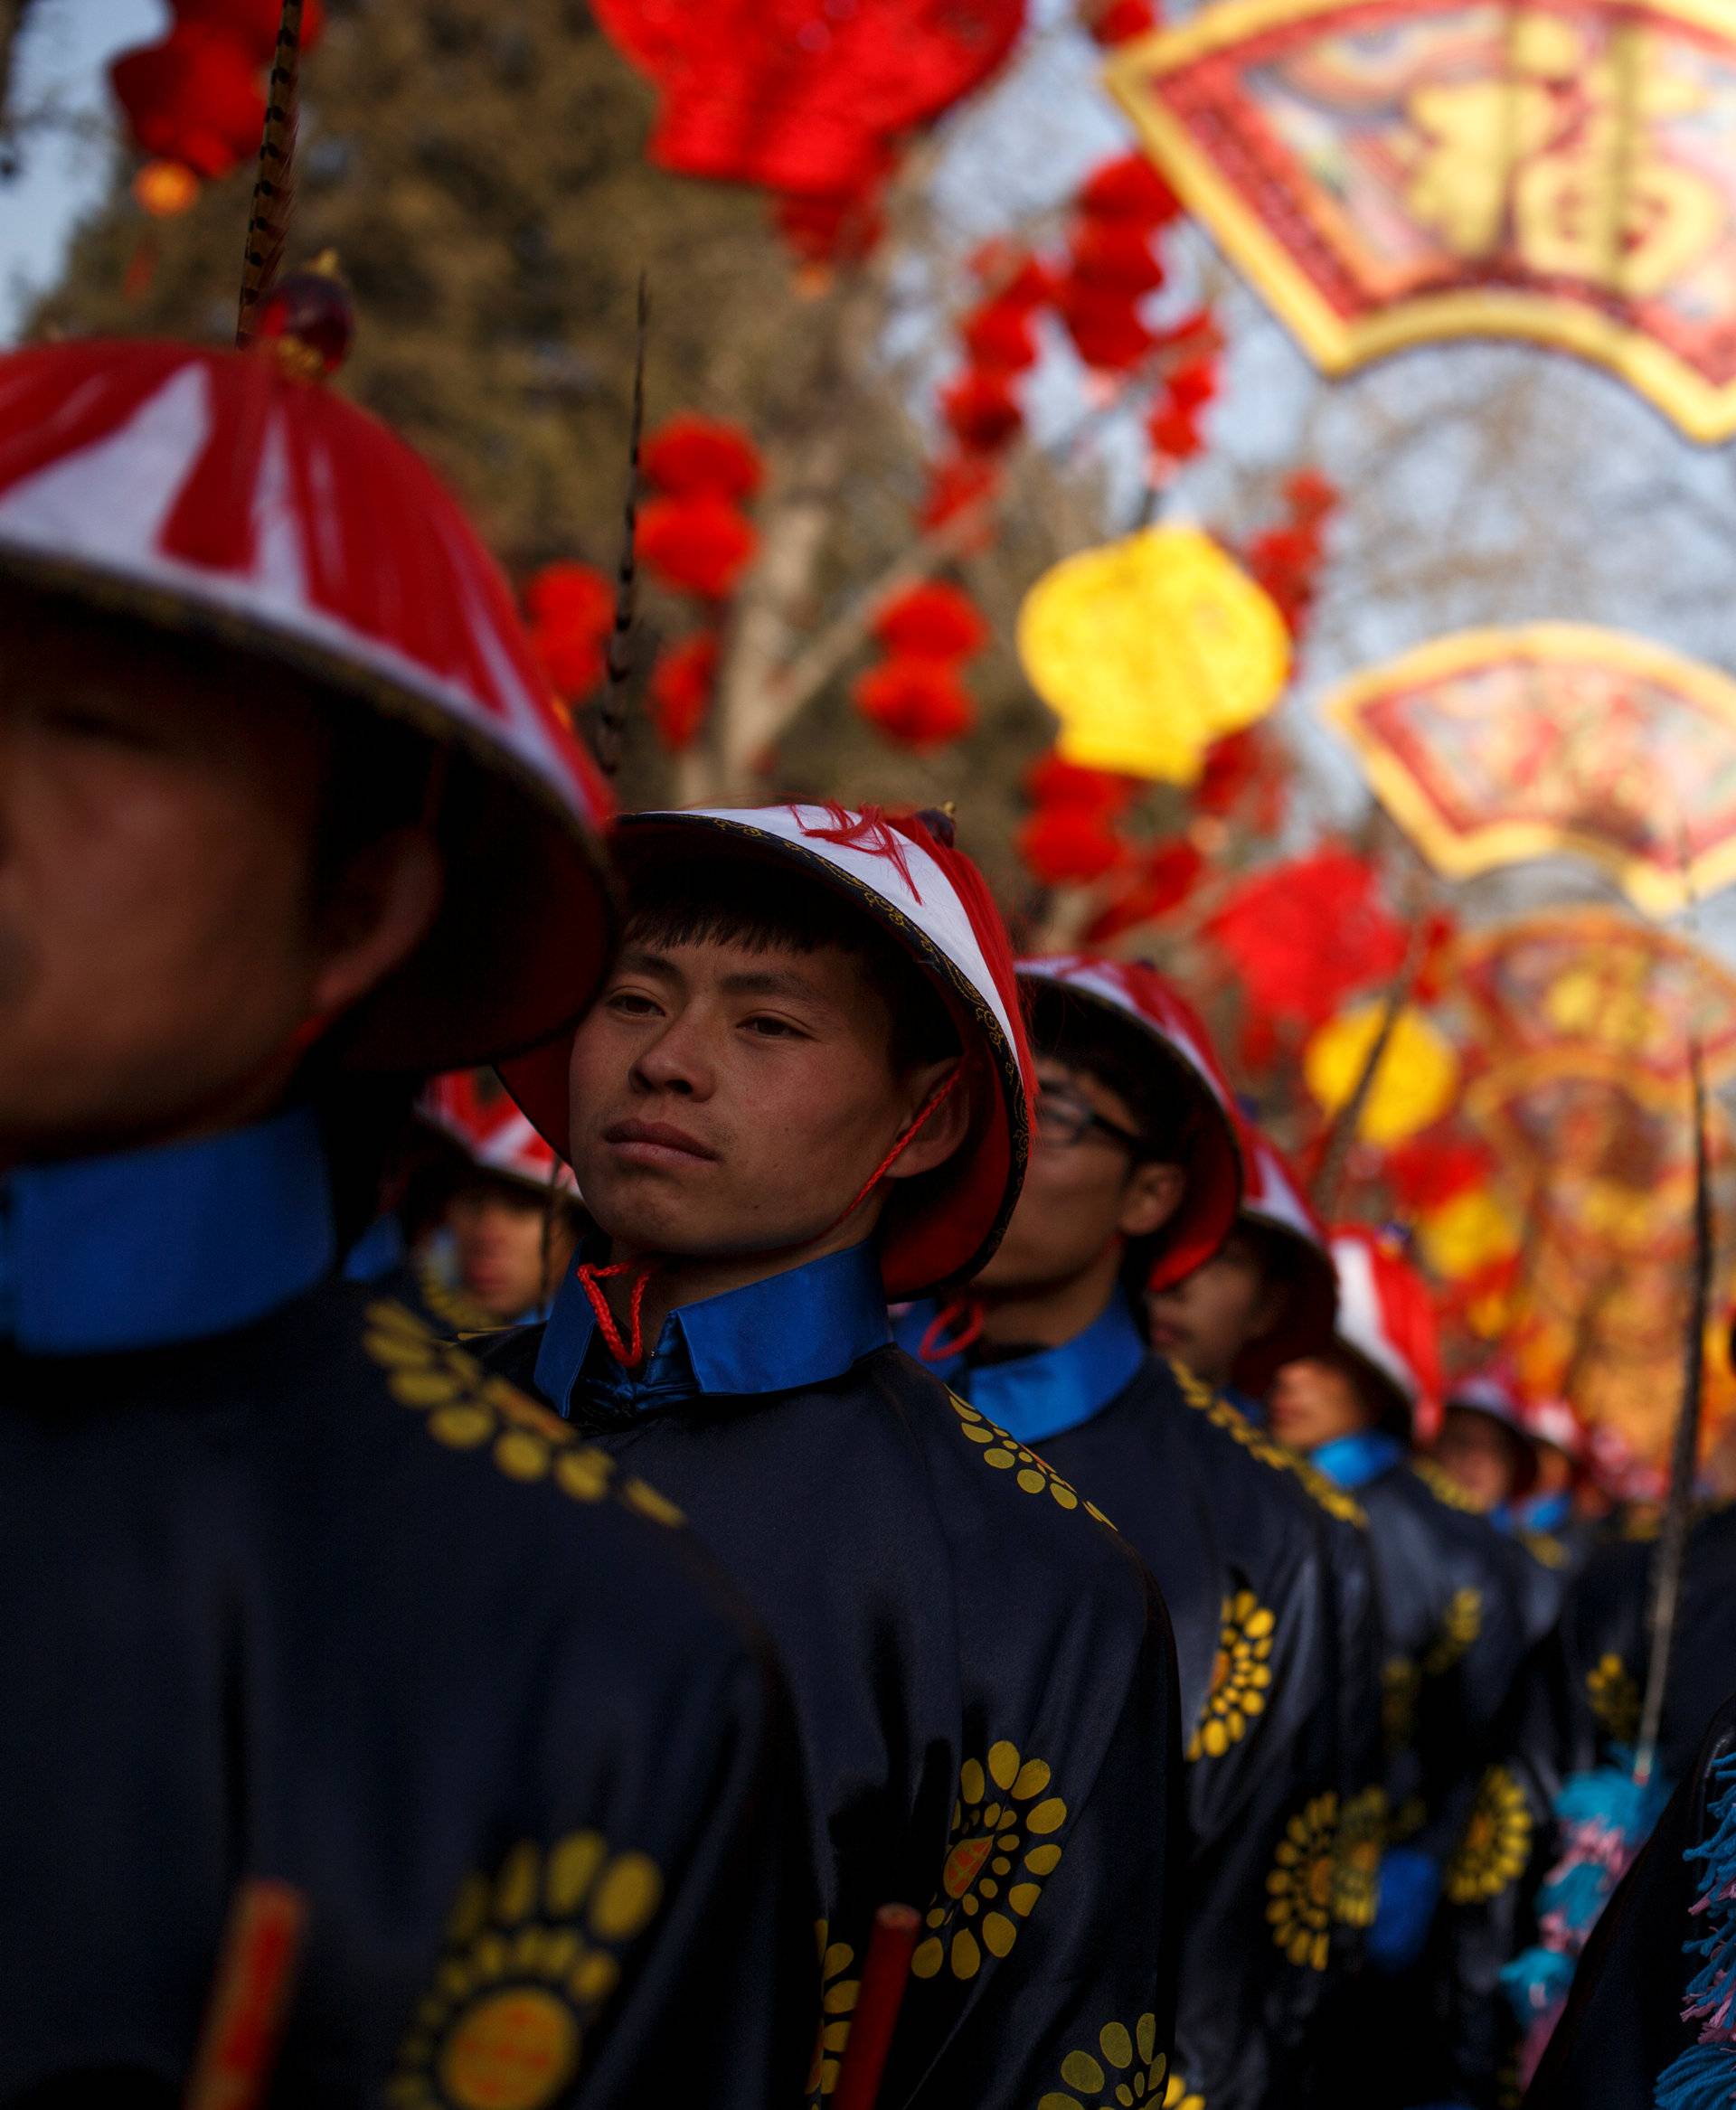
<point x="1136" y="1177"/>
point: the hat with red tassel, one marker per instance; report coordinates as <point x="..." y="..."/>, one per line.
<point x="906" y="874"/>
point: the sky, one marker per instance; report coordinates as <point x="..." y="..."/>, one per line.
<point x="66" y="51"/>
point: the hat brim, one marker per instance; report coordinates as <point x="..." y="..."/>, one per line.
<point x="527" y="921"/>
<point x="953" y="1229"/>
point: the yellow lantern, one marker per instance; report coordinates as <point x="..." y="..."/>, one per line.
<point x="1150" y="649"/>
<point x="165" y="188"/>
<point x="1413" y="1086"/>
<point x="1466" y="1234"/>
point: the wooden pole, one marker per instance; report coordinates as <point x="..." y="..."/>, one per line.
<point x="885" y="1974"/>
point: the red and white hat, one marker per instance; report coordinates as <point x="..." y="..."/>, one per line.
<point x="1491" y="1391"/>
<point x="474" y="1109"/>
<point x="1386" y="1319"/>
<point x="930" y="898"/>
<point x="1552" y="1421"/>
<point x="1272" y="1198"/>
<point x="1139" y="995"/>
<point x="209" y="491"/>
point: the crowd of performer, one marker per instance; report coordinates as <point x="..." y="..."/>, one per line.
<point x="506" y="1579"/>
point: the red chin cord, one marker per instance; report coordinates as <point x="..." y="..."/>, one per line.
<point x="629" y="1352"/>
<point x="966" y="1314"/>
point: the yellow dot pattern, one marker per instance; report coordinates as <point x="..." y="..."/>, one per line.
<point x="1496" y="1847"/>
<point x="1241" y="1676"/>
<point x="1122" y="2067"/>
<point x="1000" y="1853"/>
<point x="467" y="1409"/>
<point x="530" y="1955"/>
<point x="1255" y="1441"/>
<point x="1002" y="1454"/>
<point x="1301" y="1887"/>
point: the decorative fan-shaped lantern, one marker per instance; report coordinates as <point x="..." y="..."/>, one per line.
<point x="1390" y="172"/>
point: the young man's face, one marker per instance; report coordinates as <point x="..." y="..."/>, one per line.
<point x="730" y="1101"/>
<point x="1481" y="1455"/>
<point x="1085" y="1192"/>
<point x="504" y="1260"/>
<point x="1315" y="1401"/>
<point x="159" y="947"/>
<point x="1208" y="1317"/>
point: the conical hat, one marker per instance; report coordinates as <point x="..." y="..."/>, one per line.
<point x="1272" y="1198"/>
<point x="473" y="1109"/>
<point x="1138" y="996"/>
<point x="930" y="898"/>
<point x="209" y="492"/>
<point x="1386" y="1317"/>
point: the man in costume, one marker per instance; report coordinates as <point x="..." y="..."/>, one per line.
<point x="513" y="1223"/>
<point x="802" y="1092"/>
<point x="303" y="1614"/>
<point x="1136" y="1176"/>
<point x="1451" y="1594"/>
<point x="1482" y="1445"/>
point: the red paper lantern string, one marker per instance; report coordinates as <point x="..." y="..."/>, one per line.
<point x="935" y="621"/>
<point x="570" y="608"/>
<point x="1118" y="21"/>
<point x="1053" y="782"/>
<point x="700" y="544"/>
<point x="920" y="703"/>
<point x="1165" y="880"/>
<point x="681" y="687"/>
<point x="1305" y="935"/>
<point x="1071" y="844"/>
<point x="251" y="25"/>
<point x="690" y="455"/>
<point x="196" y="98"/>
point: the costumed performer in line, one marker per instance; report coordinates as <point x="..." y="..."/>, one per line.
<point x="803" y="1091"/>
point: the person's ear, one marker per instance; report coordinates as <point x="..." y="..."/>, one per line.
<point x="1152" y="1194"/>
<point x="374" y="917"/>
<point x="943" y="1132"/>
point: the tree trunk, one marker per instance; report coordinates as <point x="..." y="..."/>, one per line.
<point x="12" y="21"/>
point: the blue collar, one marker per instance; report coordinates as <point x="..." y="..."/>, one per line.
<point x="789" y="1331"/>
<point x="377" y="1252"/>
<point x="1034" y="1397"/>
<point x="1353" y="1461"/>
<point x="1547" y="1512"/>
<point x="154" y="1246"/>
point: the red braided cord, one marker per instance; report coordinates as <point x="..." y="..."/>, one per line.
<point x="967" y="1315"/>
<point x="628" y="1353"/>
<point x="936" y="1099"/>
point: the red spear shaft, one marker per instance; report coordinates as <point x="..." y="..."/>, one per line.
<point x="885" y="1972"/>
<point x="249" y="1998"/>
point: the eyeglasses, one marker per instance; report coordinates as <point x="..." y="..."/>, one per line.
<point x="1063" y="1123"/>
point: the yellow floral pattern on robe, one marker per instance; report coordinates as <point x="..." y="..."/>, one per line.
<point x="840" y="1989"/>
<point x="1241" y="1676"/>
<point x="1496" y="1844"/>
<point x="1614" y="1695"/>
<point x="1000" y="1853"/>
<point x="467" y="1409"/>
<point x="1441" y="1484"/>
<point x="1400" y="1687"/>
<point x="1300" y="1886"/>
<point x="1356" y="1873"/>
<point x="1123" y="2068"/>
<point x="530" y="1954"/>
<point x="1178" y="2096"/>
<point x="1461" y="1624"/>
<point x="1031" y="1473"/>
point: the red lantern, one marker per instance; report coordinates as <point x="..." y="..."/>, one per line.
<point x="999" y="337"/>
<point x="1118" y="21"/>
<point x="964" y="480"/>
<point x="682" y="685"/>
<point x="797" y="96"/>
<point x="933" y="622"/>
<point x="1231" y="765"/>
<point x="701" y="544"/>
<point x="1068" y="844"/>
<point x="1166" y="878"/>
<point x="251" y="24"/>
<point x="982" y="411"/>
<point x="195" y="98"/>
<point x="1116" y="254"/>
<point x="919" y="702"/>
<point x="571" y="610"/>
<point x="1104" y="324"/>
<point x="1305" y="935"/>
<point x="692" y="454"/>
<point x="1129" y="189"/>
<point x="1051" y="781"/>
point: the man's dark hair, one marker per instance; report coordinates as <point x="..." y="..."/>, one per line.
<point x="1075" y="1029"/>
<point x="763" y="906"/>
